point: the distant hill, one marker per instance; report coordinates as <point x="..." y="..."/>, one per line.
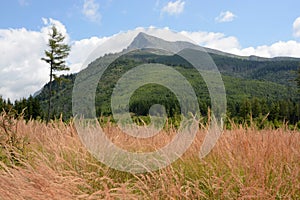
<point x="266" y="79"/>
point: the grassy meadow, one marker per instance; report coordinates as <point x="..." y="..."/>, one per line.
<point x="48" y="161"/>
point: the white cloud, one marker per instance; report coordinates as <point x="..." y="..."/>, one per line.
<point x="296" y="27"/>
<point x="174" y="8"/>
<point x="289" y="48"/>
<point x="90" y="10"/>
<point x="225" y="17"/>
<point x="22" y="72"/>
<point x="80" y="51"/>
<point x="49" y="22"/>
<point x="213" y="40"/>
<point x="122" y="40"/>
<point x="231" y="44"/>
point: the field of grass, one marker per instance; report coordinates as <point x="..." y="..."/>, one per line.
<point x="39" y="161"/>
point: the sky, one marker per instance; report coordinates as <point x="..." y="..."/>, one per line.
<point x="263" y="28"/>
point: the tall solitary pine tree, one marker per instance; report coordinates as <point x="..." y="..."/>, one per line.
<point x="55" y="56"/>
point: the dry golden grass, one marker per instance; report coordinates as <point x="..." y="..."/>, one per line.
<point x="40" y="161"/>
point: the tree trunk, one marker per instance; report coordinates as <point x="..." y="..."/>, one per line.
<point x="50" y="94"/>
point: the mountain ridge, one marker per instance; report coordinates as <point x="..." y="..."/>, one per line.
<point x="267" y="79"/>
<point x="143" y="40"/>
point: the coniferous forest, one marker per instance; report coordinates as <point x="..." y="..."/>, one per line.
<point x="260" y="91"/>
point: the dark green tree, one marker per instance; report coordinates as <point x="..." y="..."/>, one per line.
<point x="55" y="56"/>
<point x="245" y="109"/>
<point x="256" y="107"/>
<point x="298" y="79"/>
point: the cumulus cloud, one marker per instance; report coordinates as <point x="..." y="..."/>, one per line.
<point x="226" y="16"/>
<point x="231" y="44"/>
<point x="282" y="48"/>
<point x="213" y="40"/>
<point x="49" y="22"/>
<point x="296" y="27"/>
<point x="173" y="8"/>
<point x="90" y="10"/>
<point x="80" y="51"/>
<point x="22" y="72"/>
<point x="122" y="40"/>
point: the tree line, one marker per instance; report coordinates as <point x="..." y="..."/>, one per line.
<point x="264" y="112"/>
<point x="260" y="111"/>
<point x="29" y="108"/>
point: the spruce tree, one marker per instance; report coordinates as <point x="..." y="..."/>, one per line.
<point x="55" y="56"/>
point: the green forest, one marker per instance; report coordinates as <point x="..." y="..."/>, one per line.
<point x="257" y="91"/>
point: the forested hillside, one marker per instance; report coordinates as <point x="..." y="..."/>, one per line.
<point x="253" y="88"/>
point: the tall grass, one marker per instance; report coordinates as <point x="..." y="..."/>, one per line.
<point x="49" y="162"/>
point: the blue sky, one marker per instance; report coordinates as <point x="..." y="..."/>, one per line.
<point x="263" y="28"/>
<point x="256" y="22"/>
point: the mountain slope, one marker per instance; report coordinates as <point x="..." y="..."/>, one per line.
<point x="244" y="77"/>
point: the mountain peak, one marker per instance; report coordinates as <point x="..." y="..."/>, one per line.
<point x="142" y="35"/>
<point x="143" y="40"/>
